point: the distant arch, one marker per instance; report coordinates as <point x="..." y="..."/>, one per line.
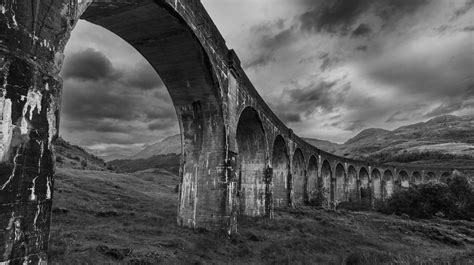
<point x="404" y="179"/>
<point x="251" y="146"/>
<point x="430" y="177"/>
<point x="387" y="184"/>
<point x="312" y="184"/>
<point x="340" y="183"/>
<point x="416" y="178"/>
<point x="298" y="177"/>
<point x="352" y="184"/>
<point x="376" y="183"/>
<point x="445" y="177"/>
<point x="326" y="174"/>
<point x="365" y="193"/>
<point x="281" y="169"/>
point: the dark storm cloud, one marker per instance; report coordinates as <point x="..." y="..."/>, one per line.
<point x="88" y="64"/>
<point x="362" y="48"/>
<point x="289" y="117"/>
<point x="361" y="31"/>
<point x="339" y="16"/>
<point x="162" y="124"/>
<point x="142" y="76"/>
<point x="463" y="10"/>
<point x="269" y="42"/>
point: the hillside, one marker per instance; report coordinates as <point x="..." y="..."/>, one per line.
<point x="109" y="218"/>
<point x="169" y="145"/>
<point x="444" y="141"/>
<point x="73" y="156"/>
<point x="169" y="162"/>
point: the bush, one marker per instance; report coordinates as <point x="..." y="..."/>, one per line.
<point x="59" y="159"/>
<point x="83" y="164"/>
<point x="318" y="198"/>
<point x="427" y="200"/>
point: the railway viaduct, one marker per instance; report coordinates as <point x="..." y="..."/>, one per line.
<point x="238" y="158"/>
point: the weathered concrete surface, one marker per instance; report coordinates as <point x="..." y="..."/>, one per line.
<point x="238" y="157"/>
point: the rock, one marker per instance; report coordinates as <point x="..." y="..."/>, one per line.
<point x="118" y="254"/>
<point x="107" y="214"/>
<point x="440" y="214"/>
<point x="60" y="211"/>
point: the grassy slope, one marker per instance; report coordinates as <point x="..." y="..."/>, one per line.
<point x="142" y="209"/>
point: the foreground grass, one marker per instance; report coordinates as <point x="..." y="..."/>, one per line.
<point x="104" y="218"/>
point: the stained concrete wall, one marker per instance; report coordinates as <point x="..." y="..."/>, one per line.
<point x="220" y="177"/>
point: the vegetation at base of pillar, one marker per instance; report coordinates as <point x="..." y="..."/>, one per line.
<point x="454" y="200"/>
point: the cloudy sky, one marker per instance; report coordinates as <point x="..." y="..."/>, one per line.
<point x="328" y="69"/>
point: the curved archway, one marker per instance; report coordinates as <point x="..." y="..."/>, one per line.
<point x="326" y="175"/>
<point x="298" y="177"/>
<point x="387" y="184"/>
<point x="340" y="184"/>
<point x="404" y="179"/>
<point x="416" y="178"/>
<point x="364" y="185"/>
<point x="376" y="184"/>
<point x="312" y="184"/>
<point x="280" y="165"/>
<point x="445" y="177"/>
<point x="352" y="184"/>
<point x="430" y="177"/>
<point x="251" y="163"/>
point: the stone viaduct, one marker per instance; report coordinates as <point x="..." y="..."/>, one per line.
<point x="238" y="158"/>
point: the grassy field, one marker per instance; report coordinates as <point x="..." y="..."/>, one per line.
<point x="106" y="218"/>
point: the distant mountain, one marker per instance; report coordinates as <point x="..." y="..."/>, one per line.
<point x="169" y="145"/>
<point x="444" y="138"/>
<point x="114" y="157"/>
<point x="73" y="156"/>
<point x="169" y="162"/>
<point x="324" y="145"/>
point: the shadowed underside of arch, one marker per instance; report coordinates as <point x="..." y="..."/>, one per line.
<point x="280" y="166"/>
<point x="251" y="163"/>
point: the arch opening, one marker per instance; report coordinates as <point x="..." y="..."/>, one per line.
<point x="404" y="179"/>
<point x="376" y="184"/>
<point x="298" y="178"/>
<point x="445" y="177"/>
<point x="313" y="183"/>
<point x="430" y="177"/>
<point x="251" y="163"/>
<point x="387" y="184"/>
<point x="327" y="193"/>
<point x="340" y="184"/>
<point x="352" y="184"/>
<point x="364" y="186"/>
<point x="280" y="166"/>
<point x="416" y="178"/>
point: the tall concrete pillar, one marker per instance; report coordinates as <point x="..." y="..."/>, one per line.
<point x="32" y="39"/>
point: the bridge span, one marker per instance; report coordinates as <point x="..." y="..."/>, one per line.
<point x="238" y="158"/>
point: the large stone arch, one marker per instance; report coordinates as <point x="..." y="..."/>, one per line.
<point x="281" y="170"/>
<point x="376" y="184"/>
<point x="326" y="175"/>
<point x="352" y="184"/>
<point x="33" y="37"/>
<point x="298" y="177"/>
<point x="313" y="183"/>
<point x="251" y="162"/>
<point x="364" y="185"/>
<point x="340" y="184"/>
<point x="404" y="179"/>
<point x="387" y="184"/>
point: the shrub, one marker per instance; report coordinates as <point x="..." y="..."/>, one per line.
<point x="83" y="164"/>
<point x="426" y="200"/>
<point x="59" y="159"/>
<point x="317" y="198"/>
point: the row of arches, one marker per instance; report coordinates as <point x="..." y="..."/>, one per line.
<point x="288" y="180"/>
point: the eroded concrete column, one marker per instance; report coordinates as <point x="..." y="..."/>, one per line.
<point x="32" y="39"/>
